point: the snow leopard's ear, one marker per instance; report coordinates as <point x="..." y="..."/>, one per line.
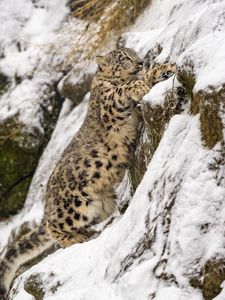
<point x="101" y="60"/>
<point x="120" y="47"/>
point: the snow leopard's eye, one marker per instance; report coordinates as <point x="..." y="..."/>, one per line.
<point x="126" y="63"/>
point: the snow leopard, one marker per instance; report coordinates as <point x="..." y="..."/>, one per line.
<point x="81" y="189"/>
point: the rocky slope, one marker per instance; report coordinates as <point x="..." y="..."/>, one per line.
<point x="169" y="242"/>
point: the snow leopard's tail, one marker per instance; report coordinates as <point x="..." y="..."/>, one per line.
<point x="23" y="250"/>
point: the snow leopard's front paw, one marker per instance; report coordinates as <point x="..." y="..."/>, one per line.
<point x="158" y="73"/>
<point x="136" y="90"/>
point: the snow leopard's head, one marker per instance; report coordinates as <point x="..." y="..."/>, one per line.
<point x="123" y="63"/>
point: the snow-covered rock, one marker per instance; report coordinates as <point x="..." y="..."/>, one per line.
<point x="34" y="50"/>
<point x="169" y="243"/>
<point x="30" y="103"/>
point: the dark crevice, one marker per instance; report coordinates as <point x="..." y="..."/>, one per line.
<point x="4" y="195"/>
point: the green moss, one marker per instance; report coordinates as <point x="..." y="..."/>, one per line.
<point x="19" y="152"/>
<point x="158" y="116"/>
<point x="4" y="82"/>
<point x="205" y="102"/>
<point x="187" y="78"/>
<point x="208" y="105"/>
<point x="20" y="149"/>
<point x="34" y="286"/>
<point x="210" y="278"/>
<point x="155" y="120"/>
<point x="214" y="275"/>
<point x="13" y="199"/>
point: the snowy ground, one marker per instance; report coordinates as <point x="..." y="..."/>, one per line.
<point x="27" y="31"/>
<point x="178" y="196"/>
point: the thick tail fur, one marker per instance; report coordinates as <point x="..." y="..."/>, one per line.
<point x="26" y="248"/>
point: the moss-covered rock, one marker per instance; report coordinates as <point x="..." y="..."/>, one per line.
<point x="210" y="278"/>
<point x="186" y="75"/>
<point x="4" y="82"/>
<point x="155" y="120"/>
<point x="207" y="103"/>
<point x="76" y="84"/>
<point x="20" y="148"/>
<point x="19" y="151"/>
<point x="35" y="286"/>
<point x="13" y="198"/>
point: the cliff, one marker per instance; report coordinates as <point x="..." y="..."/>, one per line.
<point x="167" y="239"/>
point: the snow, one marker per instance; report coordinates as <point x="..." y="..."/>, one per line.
<point x="106" y="268"/>
<point x="173" y="293"/>
<point x="25" y="37"/>
<point x="162" y="233"/>
<point x="156" y="94"/>
<point x="221" y="295"/>
<point x="209" y="72"/>
<point x="34" y="54"/>
<point x="183" y="29"/>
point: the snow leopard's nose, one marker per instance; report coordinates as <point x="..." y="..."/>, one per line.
<point x="141" y="64"/>
<point x="167" y="74"/>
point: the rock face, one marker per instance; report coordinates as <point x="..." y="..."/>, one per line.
<point x="19" y="155"/>
<point x="31" y="98"/>
<point x="20" y="149"/>
<point x="76" y="84"/>
<point x="30" y="102"/>
<point x="169" y="242"/>
<point x="4" y="82"/>
<point x="155" y="120"/>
